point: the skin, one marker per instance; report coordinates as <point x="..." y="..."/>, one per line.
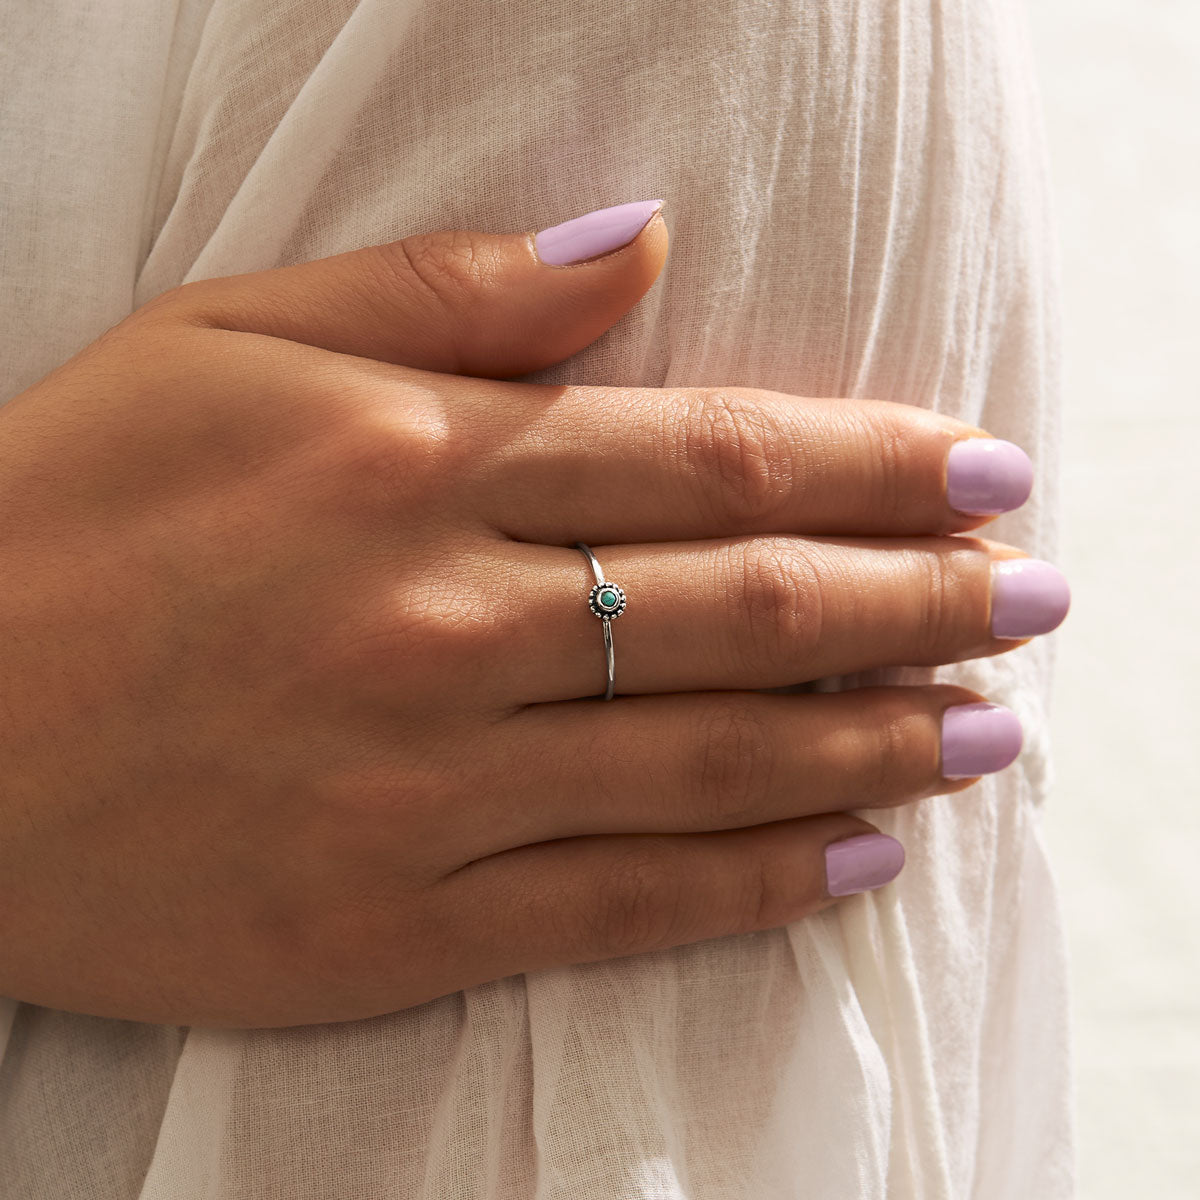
<point x="299" y="682"/>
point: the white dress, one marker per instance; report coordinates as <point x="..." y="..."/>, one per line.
<point x="857" y="201"/>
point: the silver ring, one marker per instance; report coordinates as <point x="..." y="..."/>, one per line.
<point x="606" y="601"/>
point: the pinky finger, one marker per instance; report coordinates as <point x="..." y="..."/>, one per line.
<point x="586" y="899"/>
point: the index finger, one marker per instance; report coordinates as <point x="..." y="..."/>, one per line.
<point x="613" y="465"/>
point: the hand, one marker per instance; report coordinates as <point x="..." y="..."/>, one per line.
<point x="297" y="661"/>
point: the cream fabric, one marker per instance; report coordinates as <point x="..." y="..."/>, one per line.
<point x="856" y="194"/>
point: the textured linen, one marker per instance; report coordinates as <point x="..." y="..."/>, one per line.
<point x="856" y="195"/>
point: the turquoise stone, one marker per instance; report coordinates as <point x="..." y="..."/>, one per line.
<point x="608" y="598"/>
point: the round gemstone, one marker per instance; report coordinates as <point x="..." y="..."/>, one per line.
<point x="608" y="598"/>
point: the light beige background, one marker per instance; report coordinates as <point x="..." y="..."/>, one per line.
<point x="1121" y="84"/>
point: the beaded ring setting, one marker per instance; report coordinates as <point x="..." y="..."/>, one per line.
<point x="607" y="600"/>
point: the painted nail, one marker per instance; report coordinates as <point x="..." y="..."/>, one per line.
<point x="594" y="233"/>
<point x="1028" y="597"/>
<point x="858" y="864"/>
<point x="985" y="476"/>
<point x="978" y="739"/>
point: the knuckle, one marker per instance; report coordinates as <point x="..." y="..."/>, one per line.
<point x="767" y="899"/>
<point x="362" y="926"/>
<point x="433" y="627"/>
<point x="937" y="610"/>
<point x="777" y="589"/>
<point x="352" y="912"/>
<point x="888" y="481"/>
<point x="891" y="753"/>
<point x="450" y="629"/>
<point x="400" y="456"/>
<point x="735" y="760"/>
<point x="378" y="792"/>
<point x="644" y="904"/>
<point x="738" y="449"/>
<point x="442" y="269"/>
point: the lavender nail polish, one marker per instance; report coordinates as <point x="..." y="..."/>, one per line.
<point x="1029" y="597"/>
<point x="858" y="864"/>
<point x="978" y="739"/>
<point x="985" y="476"/>
<point x="594" y="233"/>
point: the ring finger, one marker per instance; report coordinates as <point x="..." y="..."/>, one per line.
<point x="712" y="761"/>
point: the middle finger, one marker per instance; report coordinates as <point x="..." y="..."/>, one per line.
<point x="767" y="611"/>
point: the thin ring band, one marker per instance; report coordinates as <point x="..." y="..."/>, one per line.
<point x="606" y="601"/>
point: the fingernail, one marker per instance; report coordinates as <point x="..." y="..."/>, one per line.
<point x="985" y="476"/>
<point x="594" y="233"/>
<point x="978" y="739"/>
<point x="1028" y="597"/>
<point x="858" y="864"/>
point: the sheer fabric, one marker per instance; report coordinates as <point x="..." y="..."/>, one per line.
<point x="857" y="200"/>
